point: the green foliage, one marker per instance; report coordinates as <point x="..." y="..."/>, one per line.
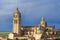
<point x="4" y="33"/>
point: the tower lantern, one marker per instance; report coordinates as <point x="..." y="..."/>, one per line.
<point x="43" y="23"/>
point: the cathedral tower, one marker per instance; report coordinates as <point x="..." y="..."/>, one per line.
<point x="16" y="22"/>
<point x="43" y="23"/>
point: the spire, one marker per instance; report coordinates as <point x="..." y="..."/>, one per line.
<point x="43" y="22"/>
<point x="43" y="19"/>
<point x="17" y="10"/>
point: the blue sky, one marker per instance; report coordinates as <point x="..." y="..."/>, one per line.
<point x="31" y="11"/>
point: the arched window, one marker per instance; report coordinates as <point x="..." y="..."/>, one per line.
<point x="15" y="16"/>
<point x="15" y="21"/>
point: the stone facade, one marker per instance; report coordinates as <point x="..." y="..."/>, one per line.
<point x="31" y="32"/>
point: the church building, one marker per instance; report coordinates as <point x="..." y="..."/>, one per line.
<point x="32" y="32"/>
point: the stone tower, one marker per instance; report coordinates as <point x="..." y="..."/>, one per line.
<point x="43" y="23"/>
<point x="16" y="22"/>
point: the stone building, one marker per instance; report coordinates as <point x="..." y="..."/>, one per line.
<point x="30" y="31"/>
<point x="21" y="30"/>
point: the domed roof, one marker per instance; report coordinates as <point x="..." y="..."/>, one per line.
<point x="17" y="12"/>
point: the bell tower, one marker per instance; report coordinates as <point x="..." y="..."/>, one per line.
<point x="16" y="22"/>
